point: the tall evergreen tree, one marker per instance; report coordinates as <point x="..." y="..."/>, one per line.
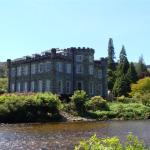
<point x="111" y="64"/>
<point x="132" y="74"/>
<point x="111" y="55"/>
<point x="141" y="67"/>
<point x="123" y="62"/>
<point x="122" y="83"/>
<point x="121" y="86"/>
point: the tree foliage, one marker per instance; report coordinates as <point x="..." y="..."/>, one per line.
<point x="122" y="83"/>
<point x="141" y="68"/>
<point x="3" y="85"/>
<point x="132" y="74"/>
<point x="111" y="64"/>
<point x="142" y="86"/>
<point x="94" y="143"/>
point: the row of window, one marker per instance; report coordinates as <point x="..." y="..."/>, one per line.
<point x="79" y="58"/>
<point x="23" y="87"/>
<point x="45" y="67"/>
<point x="41" y="86"/>
<point x="40" y="68"/>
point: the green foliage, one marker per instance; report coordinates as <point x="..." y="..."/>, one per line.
<point x="97" y="103"/>
<point x="79" y="99"/>
<point x="28" y="108"/>
<point x="3" y="85"/>
<point x="111" y="65"/>
<point x="122" y="83"/>
<point x="122" y="111"/>
<point x="124" y="99"/>
<point x="111" y="78"/>
<point x="113" y="143"/>
<point x="141" y="67"/>
<point x="122" y="86"/>
<point x="142" y="86"/>
<point x="3" y="70"/>
<point x="132" y="74"/>
<point x="123" y="65"/>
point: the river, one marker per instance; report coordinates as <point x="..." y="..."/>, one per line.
<point x="63" y="136"/>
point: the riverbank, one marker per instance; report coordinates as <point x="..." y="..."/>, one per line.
<point x="47" y="107"/>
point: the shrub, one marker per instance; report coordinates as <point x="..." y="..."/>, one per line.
<point x="29" y="107"/>
<point x="113" y="143"/>
<point x="124" y="99"/>
<point x="79" y="98"/>
<point x="97" y="103"/>
<point x="142" y="86"/>
<point x="3" y="85"/>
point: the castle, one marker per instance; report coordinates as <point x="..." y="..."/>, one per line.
<point x="60" y="71"/>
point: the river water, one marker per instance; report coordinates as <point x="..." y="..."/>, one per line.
<point x="63" y="136"/>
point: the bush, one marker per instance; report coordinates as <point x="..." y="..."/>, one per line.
<point x="29" y="107"/>
<point x="79" y="98"/>
<point x="124" y="99"/>
<point x="113" y="143"/>
<point x="142" y="86"/>
<point x="3" y="85"/>
<point x="97" y="103"/>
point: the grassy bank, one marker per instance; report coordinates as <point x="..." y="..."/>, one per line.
<point x="44" y="107"/>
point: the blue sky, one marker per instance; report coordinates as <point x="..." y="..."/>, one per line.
<point x="31" y="26"/>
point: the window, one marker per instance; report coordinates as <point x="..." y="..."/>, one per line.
<point x="18" y="87"/>
<point x="25" y="70"/>
<point x="33" y="69"/>
<point x="79" y="58"/>
<point x="68" y="87"/>
<point x="100" y="74"/>
<point x="100" y="89"/>
<point x="80" y="85"/>
<point x="59" y="67"/>
<point x="91" y="88"/>
<point x="48" y="85"/>
<point x="32" y="86"/>
<point x="13" y="72"/>
<point x="25" y="88"/>
<point x="91" y="59"/>
<point x="91" y="69"/>
<point x="41" y="68"/>
<point x="40" y="86"/>
<point x="48" y="66"/>
<point x="68" y="68"/>
<point x="19" y="71"/>
<point x="79" y="68"/>
<point x="60" y="90"/>
<point x="12" y="87"/>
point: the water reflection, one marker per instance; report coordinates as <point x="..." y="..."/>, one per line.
<point x="66" y="135"/>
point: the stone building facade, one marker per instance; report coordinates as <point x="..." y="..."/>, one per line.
<point x="59" y="71"/>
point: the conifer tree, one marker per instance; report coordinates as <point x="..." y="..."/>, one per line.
<point x="123" y="62"/>
<point x="122" y="83"/>
<point x="141" y="67"/>
<point x="132" y="74"/>
<point x="111" y="64"/>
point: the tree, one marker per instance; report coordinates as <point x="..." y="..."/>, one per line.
<point x="132" y="74"/>
<point x="111" y="64"/>
<point x="122" y="83"/>
<point x="141" y="68"/>
<point x="111" y="55"/>
<point x="3" y="85"/>
<point x="123" y="62"/>
<point x="121" y="86"/>
<point x="142" y="86"/>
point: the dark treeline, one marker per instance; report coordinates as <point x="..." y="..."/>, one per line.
<point x="122" y="73"/>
